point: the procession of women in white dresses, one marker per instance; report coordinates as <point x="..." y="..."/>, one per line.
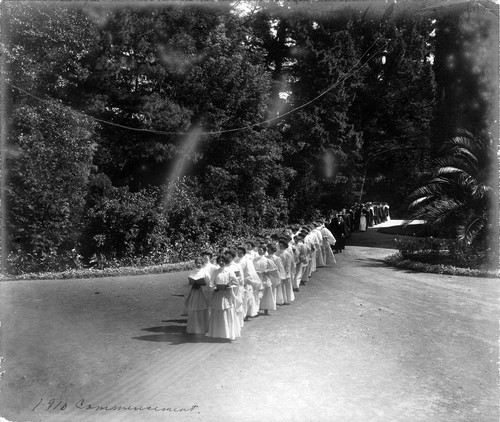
<point x="257" y="276"/>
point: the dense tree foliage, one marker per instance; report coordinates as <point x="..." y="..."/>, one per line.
<point x="49" y="172"/>
<point x="145" y="134"/>
<point x="394" y="107"/>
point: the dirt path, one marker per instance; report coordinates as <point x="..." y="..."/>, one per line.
<point x="362" y="342"/>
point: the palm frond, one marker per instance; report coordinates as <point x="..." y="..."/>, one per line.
<point x="479" y="191"/>
<point x="450" y="170"/>
<point x="464" y="139"/>
<point x="458" y="192"/>
<point x="470" y="231"/>
<point x="418" y="202"/>
<point x="426" y="190"/>
<point x="467" y="183"/>
<point x="437" y="211"/>
<point x="462" y="153"/>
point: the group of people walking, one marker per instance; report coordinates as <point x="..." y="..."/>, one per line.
<point x="258" y="276"/>
<point x="358" y="217"/>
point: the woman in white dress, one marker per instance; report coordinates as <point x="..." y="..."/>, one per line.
<point x="238" y="290"/>
<point x="328" y="241"/>
<point x="363" y="220"/>
<point x="251" y="281"/>
<point x="209" y="268"/>
<point x="196" y="304"/>
<point x="276" y="276"/>
<point x="223" y="323"/>
<point x="287" y="258"/>
<point x="249" y="246"/>
<point x="264" y="266"/>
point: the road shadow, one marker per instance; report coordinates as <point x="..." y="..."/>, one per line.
<point x="180" y="321"/>
<point x="371" y="239"/>
<point x="167" y="329"/>
<point x="371" y="262"/>
<point x="176" y="338"/>
<point x="175" y="335"/>
<point x="380" y="263"/>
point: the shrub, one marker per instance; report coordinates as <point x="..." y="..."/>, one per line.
<point x="47" y="184"/>
<point x="451" y="251"/>
<point x="144" y="228"/>
<point x="412" y="247"/>
<point x="124" y="226"/>
<point x="397" y="260"/>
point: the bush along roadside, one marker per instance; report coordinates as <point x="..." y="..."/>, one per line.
<point x="453" y="252"/>
<point x="119" y="268"/>
<point x="107" y="272"/>
<point x="397" y="260"/>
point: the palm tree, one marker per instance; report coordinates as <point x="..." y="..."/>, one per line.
<point x="459" y="194"/>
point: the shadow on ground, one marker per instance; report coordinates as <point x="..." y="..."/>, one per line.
<point x="372" y="239"/>
<point x="167" y="329"/>
<point x="180" y="321"/>
<point x="175" y="335"/>
<point x="371" y="262"/>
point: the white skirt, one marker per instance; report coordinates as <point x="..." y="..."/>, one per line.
<point x="224" y="324"/>
<point x="288" y="295"/>
<point x="196" y="300"/>
<point x="330" y="257"/>
<point x="268" y="300"/>
<point x="362" y="223"/>
<point x="278" y="294"/>
<point x="320" y="262"/>
<point x="197" y="322"/>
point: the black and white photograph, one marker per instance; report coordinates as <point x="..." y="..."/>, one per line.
<point x="249" y="210"/>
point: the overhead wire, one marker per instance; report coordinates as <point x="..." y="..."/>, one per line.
<point x="351" y="72"/>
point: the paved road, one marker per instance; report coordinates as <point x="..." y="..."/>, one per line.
<point x="362" y="342"/>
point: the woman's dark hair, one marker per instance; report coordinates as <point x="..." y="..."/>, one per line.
<point x="283" y="241"/>
<point x="231" y="252"/>
<point x="222" y="259"/>
<point x="207" y="253"/>
<point x="272" y="247"/>
<point x="243" y="249"/>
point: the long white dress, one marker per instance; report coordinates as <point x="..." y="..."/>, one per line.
<point x="286" y="283"/>
<point x="328" y="239"/>
<point x="387" y="213"/>
<point x="239" y="291"/>
<point x="362" y="223"/>
<point x="306" y="274"/>
<point x="253" y="285"/>
<point x="277" y="278"/>
<point x="310" y="239"/>
<point x="264" y="266"/>
<point x="196" y="305"/>
<point x="299" y="266"/>
<point x="223" y="320"/>
<point x="295" y="260"/>
<point x="209" y="288"/>
<point x="320" y="258"/>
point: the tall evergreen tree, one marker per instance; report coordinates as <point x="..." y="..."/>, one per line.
<point x="321" y="144"/>
<point x="394" y="106"/>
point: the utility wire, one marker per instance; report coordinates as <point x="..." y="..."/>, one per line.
<point x="351" y="72"/>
